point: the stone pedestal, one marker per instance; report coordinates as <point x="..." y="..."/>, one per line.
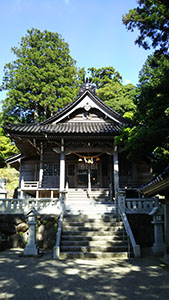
<point x="31" y="247"/>
<point x="158" y="246"/>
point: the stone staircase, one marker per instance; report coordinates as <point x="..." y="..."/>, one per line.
<point x="93" y="236"/>
<point x="90" y="228"/>
<point x="82" y="201"/>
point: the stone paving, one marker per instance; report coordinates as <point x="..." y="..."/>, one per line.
<point x="23" y="278"/>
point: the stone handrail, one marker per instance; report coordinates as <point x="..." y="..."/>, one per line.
<point x="56" y="249"/>
<point x="21" y="206"/>
<point x="140" y="205"/>
<point x="122" y="210"/>
<point x="136" y="248"/>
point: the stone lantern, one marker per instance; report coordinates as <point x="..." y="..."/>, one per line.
<point x="31" y="247"/>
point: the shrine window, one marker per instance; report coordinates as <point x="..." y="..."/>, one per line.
<point x="51" y="170"/>
<point x="71" y="170"/>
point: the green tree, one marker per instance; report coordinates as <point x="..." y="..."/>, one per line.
<point x="102" y="76"/>
<point x="151" y="18"/>
<point x="151" y="133"/>
<point x="119" y="97"/>
<point x="41" y="80"/>
<point x="110" y="89"/>
<point x="6" y="148"/>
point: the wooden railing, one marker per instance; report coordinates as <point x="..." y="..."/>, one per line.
<point x="31" y="184"/>
<point x="22" y="206"/>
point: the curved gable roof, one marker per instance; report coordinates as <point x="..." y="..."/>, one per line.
<point x="86" y="96"/>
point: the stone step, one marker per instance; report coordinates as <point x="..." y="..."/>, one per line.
<point x="82" y="229"/>
<point x="92" y="233"/>
<point x="92" y="227"/>
<point x="92" y="236"/>
<point x="99" y="238"/>
<point x="89" y="226"/>
<point x="88" y="255"/>
<point x="85" y="198"/>
<point x="90" y="218"/>
<point x="88" y="210"/>
<point x="77" y="248"/>
<point x="95" y="243"/>
<point x="93" y="222"/>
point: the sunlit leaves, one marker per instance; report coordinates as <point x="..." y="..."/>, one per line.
<point x="42" y="79"/>
<point x="151" y="18"/>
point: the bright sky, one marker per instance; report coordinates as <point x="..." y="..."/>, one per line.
<point x="92" y="28"/>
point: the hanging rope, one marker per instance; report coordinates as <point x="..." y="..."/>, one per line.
<point x="88" y="157"/>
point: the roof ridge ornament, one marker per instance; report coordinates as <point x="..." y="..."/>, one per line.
<point x="87" y="86"/>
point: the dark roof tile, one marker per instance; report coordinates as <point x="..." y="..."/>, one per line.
<point x="64" y="128"/>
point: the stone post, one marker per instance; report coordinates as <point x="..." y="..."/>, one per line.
<point x="31" y="247"/>
<point x="158" y="246"/>
<point x="122" y="200"/>
<point x="166" y="253"/>
<point x="63" y="200"/>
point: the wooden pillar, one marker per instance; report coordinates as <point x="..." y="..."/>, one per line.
<point x="62" y="167"/>
<point x="89" y="179"/>
<point x="21" y="194"/>
<point x="21" y="182"/>
<point x="111" y="177"/>
<point x="41" y="165"/>
<point x="116" y="173"/>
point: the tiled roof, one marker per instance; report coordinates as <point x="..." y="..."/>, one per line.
<point x="160" y="183"/>
<point x="64" y="128"/>
<point x="74" y="103"/>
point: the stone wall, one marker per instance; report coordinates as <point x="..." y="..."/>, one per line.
<point x="142" y="228"/>
<point x="14" y="231"/>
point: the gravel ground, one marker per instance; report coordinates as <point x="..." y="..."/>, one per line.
<point x="23" y="278"/>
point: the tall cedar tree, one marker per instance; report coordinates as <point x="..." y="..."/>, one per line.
<point x="41" y="80"/>
<point x="149" y="138"/>
<point x="151" y="18"/>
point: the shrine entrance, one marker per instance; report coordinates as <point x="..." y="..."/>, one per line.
<point x="88" y="176"/>
<point x="84" y="173"/>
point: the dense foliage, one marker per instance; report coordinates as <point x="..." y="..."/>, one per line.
<point x="148" y="138"/>
<point x="151" y="18"/>
<point x="119" y="97"/>
<point x="110" y="89"/>
<point x="6" y="148"/>
<point x="41" y="80"/>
